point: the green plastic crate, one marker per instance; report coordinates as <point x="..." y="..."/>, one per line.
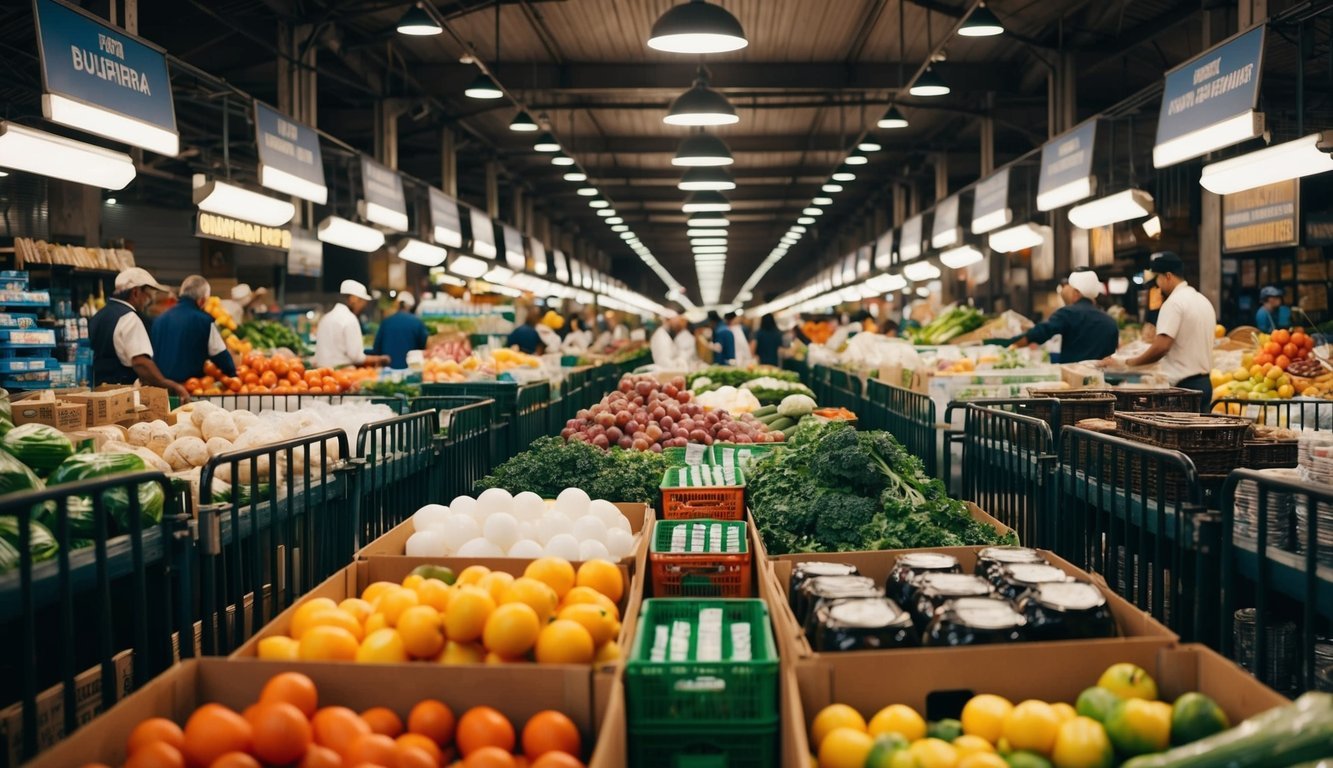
<point x="671" y="479"/>
<point x="723" y="745"/>
<point x="671" y="693"/>
<point x="717" y="453"/>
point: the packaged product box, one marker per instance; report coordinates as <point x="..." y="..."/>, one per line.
<point x="106" y="405"/>
<point x="236" y="684"/>
<point x="938" y="687"/>
<point x="51" y="709"/>
<point x="42" y="407"/>
<point x="150" y="404"/>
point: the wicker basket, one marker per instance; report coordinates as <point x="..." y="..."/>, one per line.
<point x="1270" y="454"/>
<point x="1167" y="399"/>
<point x="1075" y="406"/>
<point x="1184" y="432"/>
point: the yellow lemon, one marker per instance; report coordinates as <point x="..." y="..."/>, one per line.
<point x="383" y="646"/>
<point x="982" y="760"/>
<point x="1032" y="726"/>
<point x="358" y="608"/>
<point x="394" y="602"/>
<point x="845" y="748"/>
<point x="934" y="753"/>
<point x="279" y="647"/>
<point x="422" y="631"/>
<point x="496" y="582"/>
<point x="555" y="572"/>
<point x="535" y="594"/>
<point x="603" y="576"/>
<point x="435" y="593"/>
<point x="301" y="618"/>
<point x="372" y="592"/>
<point x="470" y="575"/>
<point x="335" y="617"/>
<point x="511" y="630"/>
<point x="590" y="595"/>
<point x="608" y="653"/>
<point x="601" y="625"/>
<point x="412" y="581"/>
<point x="1064" y="711"/>
<point x="564" y="642"/>
<point x="462" y="653"/>
<point x="900" y="719"/>
<point x="831" y="717"/>
<point x="972" y="745"/>
<point x="375" y="621"/>
<point x="984" y="716"/>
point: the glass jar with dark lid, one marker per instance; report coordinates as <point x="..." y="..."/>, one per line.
<point x="1014" y="580"/>
<point x="1069" y="610"/>
<point x="821" y="587"/>
<point x="992" y="559"/>
<point x="860" y="624"/>
<point x="803" y="572"/>
<point x="899" y="586"/>
<point x="933" y="590"/>
<point x="975" y="621"/>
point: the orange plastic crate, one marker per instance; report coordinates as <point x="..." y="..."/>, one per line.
<point x="699" y="574"/>
<point x="722" y="502"/>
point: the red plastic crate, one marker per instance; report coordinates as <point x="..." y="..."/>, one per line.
<point x="702" y="574"/>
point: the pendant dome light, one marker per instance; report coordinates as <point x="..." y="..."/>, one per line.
<point x="844" y="173"/>
<point x="418" y="23"/>
<point x="706" y="202"/>
<point x="982" y="23"/>
<point x="856" y="158"/>
<point x="482" y="86"/>
<point x="892" y="119"/>
<point x="700" y="179"/>
<point x="929" y="84"/>
<point x="870" y="143"/>
<point x="560" y="158"/>
<point x="546" y="143"/>
<point x="701" y="105"/>
<point x="697" y="27"/>
<point x="575" y="175"/>
<point x="702" y="149"/>
<point x="523" y="123"/>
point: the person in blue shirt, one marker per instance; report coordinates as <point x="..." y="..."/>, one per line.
<point x="1271" y="314"/>
<point x="400" y="333"/>
<point x="524" y="338"/>
<point x="724" y="341"/>
<point x="185" y="336"/>
<point x="1086" y="332"/>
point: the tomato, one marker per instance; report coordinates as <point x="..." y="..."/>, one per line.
<point x="1281" y="336"/>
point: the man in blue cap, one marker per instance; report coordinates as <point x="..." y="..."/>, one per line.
<point x="1272" y="315"/>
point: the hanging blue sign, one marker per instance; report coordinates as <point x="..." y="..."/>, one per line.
<point x="306" y="256"/>
<point x="102" y="80"/>
<point x="515" y="257"/>
<point x="1066" y="167"/>
<point x="483" y="234"/>
<point x="1206" y="92"/>
<point x="990" y="203"/>
<point x="382" y="193"/>
<point x="909" y="245"/>
<point x="945" y="231"/>
<point x="444" y="219"/>
<point x="289" y="156"/>
<point x="884" y="251"/>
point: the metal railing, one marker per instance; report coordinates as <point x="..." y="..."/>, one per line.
<point x="399" y="455"/>
<point x="844" y="391"/>
<point x="1302" y="414"/>
<point x="1277" y="567"/>
<point x="465" y="451"/>
<point x="531" y="416"/>
<point x="909" y="416"/>
<point x="103" y="599"/>
<point x="1007" y="463"/>
<point x="266" y="401"/>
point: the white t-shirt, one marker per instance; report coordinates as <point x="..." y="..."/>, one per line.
<point x="743" y="354"/>
<point x="689" y="354"/>
<point x="1189" y="319"/>
<point x="664" y="349"/>
<point x="338" y="339"/>
<point x="130" y="338"/>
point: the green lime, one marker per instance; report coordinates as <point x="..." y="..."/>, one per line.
<point x="1195" y="716"/>
<point x="434" y="572"/>
<point x="1025" y="759"/>
<point x="1140" y="727"/>
<point x="886" y="746"/>
<point x="947" y="729"/>
<point x="1097" y="703"/>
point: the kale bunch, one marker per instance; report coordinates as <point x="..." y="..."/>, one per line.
<point x="551" y="465"/>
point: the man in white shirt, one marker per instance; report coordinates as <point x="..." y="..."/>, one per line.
<point x="338" y="338"/>
<point x="663" y="344"/>
<point x="1185" y="323"/>
<point x="686" y="345"/>
<point x="122" y="349"/>
<point x="744" y="355"/>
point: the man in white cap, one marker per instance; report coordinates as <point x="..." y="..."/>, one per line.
<point x="338" y="337"/>
<point x="122" y="350"/>
<point x="242" y="296"/>
<point x="1086" y="332"/>
<point x="400" y="333"/>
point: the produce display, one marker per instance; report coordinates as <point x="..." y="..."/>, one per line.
<point x="496" y="524"/>
<point x="950" y="324"/>
<point x="1282" y="366"/>
<point x="647" y="415"/>
<point x="771" y="390"/>
<point x="269" y="335"/>
<point x="1118" y="721"/>
<point x="868" y="351"/>
<point x="445" y="369"/>
<point x="221" y="317"/>
<point x="552" y="614"/>
<point x="288" y="726"/>
<point x="716" y="376"/>
<point x="280" y="375"/>
<point x="838" y="489"/>
<point x="551" y="465"/>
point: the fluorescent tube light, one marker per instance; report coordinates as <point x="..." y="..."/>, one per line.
<point x="280" y="181"/>
<point x="708" y="241"/>
<point x="619" y="228"/>
<point x="1232" y="130"/>
<point x="919" y="271"/>
<point x="468" y="266"/>
<point x="992" y="220"/>
<point x="607" y="213"/>
<point x="336" y="230"/>
<point x="822" y="201"/>
<point x="91" y="119"/>
<point x="1020" y="238"/>
<point x="599" y="203"/>
<point x="417" y="252"/>
<point x="498" y="275"/>
<point x="1122" y="206"/>
<point x="1065" y="194"/>
<point x="1305" y="156"/>
<point x="46" y="154"/>
<point x="615" y="220"/>
<point x="812" y="211"/>
<point x="706" y="233"/>
<point x="964" y="256"/>
<point x="856" y="158"/>
<point x="587" y="192"/>
<point x="708" y="221"/>
<point x="239" y="203"/>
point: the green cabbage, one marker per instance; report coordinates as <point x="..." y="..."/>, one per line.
<point x="15" y="477"/>
<point x="39" y="446"/>
<point x="41" y="543"/>
<point x="86" y="466"/>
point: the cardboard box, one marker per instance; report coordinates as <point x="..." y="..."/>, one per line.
<point x="51" y="708"/>
<point x="107" y="405"/>
<point x="938" y="687"/>
<point x="394" y="542"/>
<point x="150" y="404"/>
<point x="1140" y="635"/>
<point x="43" y="408"/>
<point x="236" y="684"/>
<point x="1082" y="376"/>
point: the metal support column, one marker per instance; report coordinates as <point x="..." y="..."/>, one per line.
<point x="449" y="162"/>
<point x="987" y="131"/>
<point x="493" y="189"/>
<point x="941" y="176"/>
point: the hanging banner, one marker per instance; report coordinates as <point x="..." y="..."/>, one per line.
<point x="1209" y="101"/>
<point x="1066" y="168"/>
<point x="909" y="246"/>
<point x="945" y="232"/>
<point x="483" y="232"/>
<point x="289" y="156"/>
<point x="561" y="266"/>
<point x="99" y="79"/>
<point x="444" y="219"/>
<point x="884" y="251"/>
<point x="515" y="258"/>
<point x="211" y="226"/>
<point x="863" y="256"/>
<point x="383" y="201"/>
<point x="990" y="203"/>
<point x="1263" y="217"/>
<point x="849" y="268"/>
<point x="537" y="257"/>
<point x="306" y="256"/>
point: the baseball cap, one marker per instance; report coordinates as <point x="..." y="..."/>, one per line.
<point x="136" y="277"/>
<point x="1270" y="292"/>
<point x="1166" y="261"/>
<point x="407" y="299"/>
<point x="1085" y="282"/>
<point x="354" y="288"/>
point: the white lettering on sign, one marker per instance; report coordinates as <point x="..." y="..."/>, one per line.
<point x="243" y="231"/>
<point x="107" y="68"/>
<point x="1066" y="162"/>
<point x="1210" y="69"/>
<point x="1068" y="147"/>
<point x="1214" y="84"/>
<point x="111" y="45"/>
<point x="287" y="130"/>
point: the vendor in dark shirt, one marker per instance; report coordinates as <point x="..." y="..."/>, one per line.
<point x="1086" y="332"/>
<point x="524" y="338"/>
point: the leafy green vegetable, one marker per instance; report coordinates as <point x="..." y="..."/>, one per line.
<point x="15" y="477"/>
<point x="39" y="446"/>
<point x="40" y="542"/>
<point x="949" y="325"/>
<point x="725" y="376"/>
<point x="86" y="466"/>
<point x="269" y="334"/>
<point x="389" y="388"/>
<point x="551" y="465"/>
<point x="834" y="489"/>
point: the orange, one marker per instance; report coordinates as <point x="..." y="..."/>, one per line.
<point x="834" y="716"/>
<point x="394" y="602"/>
<point x="511" y="630"/>
<point x="408" y="756"/>
<point x="383" y="646"/>
<point x="321" y="757"/>
<point x="336" y="727"/>
<point x="470" y="575"/>
<point x="213" y="731"/>
<point x="435" y="593"/>
<point x="590" y="595"/>
<point x="358" y="609"/>
<point x="421" y="742"/>
<point x="434" y="720"/>
<point x="467" y="615"/>
<point x="603" y="576"/>
<point x="422" y="631"/>
<point x="462" y="653"/>
<point x="301" y="619"/>
<point x="555" y="572"/>
<point x="156" y="754"/>
<point x="551" y="731"/>
<point x="328" y="644"/>
<point x="155" y="729"/>
<point x="371" y="593"/>
<point x="564" y="642"/>
<point x="293" y="688"/>
<point x="373" y="748"/>
<point x="490" y="757"/>
<point x="607" y="653"/>
<point x="235" y="760"/>
<point x="535" y="594"/>
<point x="376" y="621"/>
<point x="556" y="760"/>
<point x="484" y="727"/>
<point x="384" y="721"/>
<point x="279" y="647"/>
<point x="601" y="625"/>
<point x="412" y="581"/>
<point x="281" y="733"/>
<point x="496" y="583"/>
<point x="495" y="658"/>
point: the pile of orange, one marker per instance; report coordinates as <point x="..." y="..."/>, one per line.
<point x="550" y="615"/>
<point x="287" y="727"/>
<point x="279" y="375"/>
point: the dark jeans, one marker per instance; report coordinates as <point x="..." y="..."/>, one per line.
<point x="1200" y="383"/>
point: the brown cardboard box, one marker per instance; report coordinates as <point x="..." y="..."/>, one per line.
<point x="44" y="408"/>
<point x="938" y="687"/>
<point x="1141" y="635"/>
<point x="107" y="405"/>
<point x="51" y="708"/>
<point x="151" y="404"/>
<point x="236" y="684"/>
